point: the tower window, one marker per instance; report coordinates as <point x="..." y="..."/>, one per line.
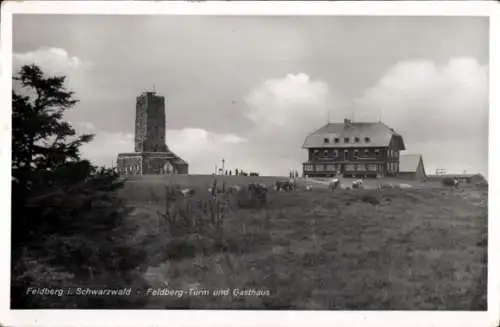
<point x="326" y="140"/>
<point x="356" y="139"/>
<point x="367" y="139"/>
<point x="346" y="140"/>
<point x="337" y="140"/>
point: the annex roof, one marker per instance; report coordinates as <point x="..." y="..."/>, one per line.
<point x="409" y="162"/>
<point x="358" y="134"/>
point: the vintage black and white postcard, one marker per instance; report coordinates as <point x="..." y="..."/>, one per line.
<point x="289" y="163"/>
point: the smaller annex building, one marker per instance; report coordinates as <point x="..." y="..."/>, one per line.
<point x="411" y="167"/>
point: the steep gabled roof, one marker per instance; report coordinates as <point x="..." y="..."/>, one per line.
<point x="409" y="162"/>
<point x="378" y="134"/>
<point x="178" y="160"/>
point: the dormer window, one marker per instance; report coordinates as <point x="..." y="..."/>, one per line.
<point x="325" y="153"/>
<point x="315" y="152"/>
<point x="346" y="140"/>
<point x="367" y="139"/>
<point x="336" y="140"/>
<point x="356" y="139"/>
<point x="377" y="152"/>
<point x="326" y="140"/>
<point x="366" y="152"/>
<point x="336" y="153"/>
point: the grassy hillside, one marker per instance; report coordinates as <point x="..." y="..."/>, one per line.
<point x="412" y="249"/>
<point x="149" y="187"/>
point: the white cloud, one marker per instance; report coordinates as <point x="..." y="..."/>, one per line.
<point x="105" y="147"/>
<point x="202" y="149"/>
<point x="417" y="96"/>
<point x="54" y="60"/>
<point x="284" y="110"/>
<point x="57" y="61"/>
<point x="294" y="101"/>
<point x="450" y="156"/>
<point x="441" y="111"/>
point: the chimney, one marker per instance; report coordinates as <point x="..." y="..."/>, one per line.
<point x="347" y="122"/>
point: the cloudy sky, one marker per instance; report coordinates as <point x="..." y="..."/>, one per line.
<point x="249" y="89"/>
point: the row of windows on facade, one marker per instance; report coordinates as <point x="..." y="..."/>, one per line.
<point x="390" y="153"/>
<point x="136" y="170"/>
<point x="356" y="139"/>
<point x="392" y="167"/>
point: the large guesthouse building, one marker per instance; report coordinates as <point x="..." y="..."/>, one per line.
<point x="357" y="149"/>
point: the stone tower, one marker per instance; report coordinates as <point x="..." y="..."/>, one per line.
<point x="152" y="155"/>
<point x="150" y="124"/>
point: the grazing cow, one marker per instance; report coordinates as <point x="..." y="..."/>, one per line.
<point x="334" y="183"/>
<point x="358" y="183"/>
<point x="257" y="188"/>
<point x="308" y="187"/>
<point x="187" y="192"/>
<point x="263" y="186"/>
<point x="405" y="186"/>
<point x="384" y="185"/>
<point x="456" y="183"/>
<point x="345" y="186"/>
<point x="283" y="185"/>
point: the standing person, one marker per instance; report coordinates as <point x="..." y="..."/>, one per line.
<point x="236" y="172"/>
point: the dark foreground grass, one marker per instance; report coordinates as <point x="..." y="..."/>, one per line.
<point x="411" y="249"/>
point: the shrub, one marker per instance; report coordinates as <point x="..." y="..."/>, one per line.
<point x="184" y="216"/>
<point x="448" y="181"/>
<point x="371" y="199"/>
<point x="191" y="225"/>
<point x="254" y="198"/>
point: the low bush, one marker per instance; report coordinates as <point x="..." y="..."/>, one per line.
<point x="185" y="216"/>
<point x="448" y="181"/>
<point x="252" y="198"/>
<point x="371" y="199"/>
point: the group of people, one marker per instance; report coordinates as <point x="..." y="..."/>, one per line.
<point x="238" y="172"/>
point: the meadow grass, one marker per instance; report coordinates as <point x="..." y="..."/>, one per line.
<point x="398" y="249"/>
